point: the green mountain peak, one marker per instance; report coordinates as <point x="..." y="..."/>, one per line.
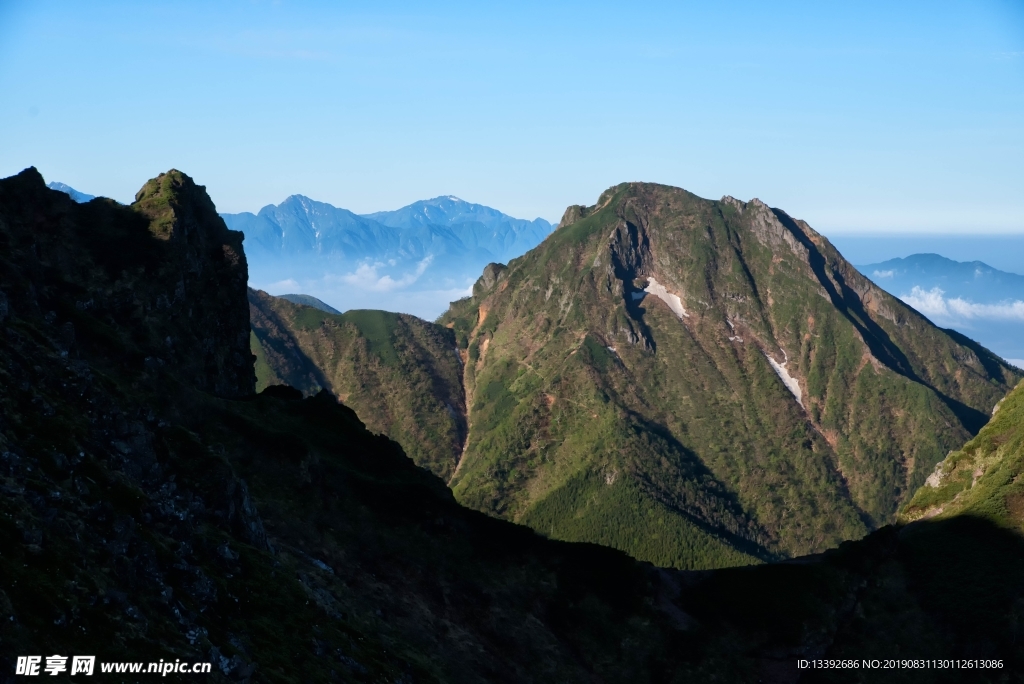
<point x="688" y="380"/>
<point x="155" y="508"/>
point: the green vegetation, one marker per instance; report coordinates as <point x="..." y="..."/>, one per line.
<point x="614" y="509"/>
<point x="572" y="377"/>
<point x="156" y="508"/>
<point x="377" y="328"/>
<point x="402" y="375"/>
<point x="983" y="477"/>
<point x="146" y="518"/>
<point x="265" y="375"/>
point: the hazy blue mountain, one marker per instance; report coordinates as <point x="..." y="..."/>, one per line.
<point x="412" y="260"/>
<point x="79" y="197"/>
<point x="1004" y="252"/>
<point x="443" y="225"/>
<point x="971" y="297"/>
<point x="309" y="300"/>
<point x="966" y="279"/>
<point x="300" y="225"/>
<point x="475" y="225"/>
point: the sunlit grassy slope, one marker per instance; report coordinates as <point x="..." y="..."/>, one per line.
<point x="598" y="413"/>
<point x="401" y="374"/>
<point x="982" y="478"/>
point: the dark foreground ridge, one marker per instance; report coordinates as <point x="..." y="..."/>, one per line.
<point x="154" y="507"/>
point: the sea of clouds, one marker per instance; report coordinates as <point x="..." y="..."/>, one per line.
<point x="997" y="325"/>
<point x="934" y="304"/>
<point x="425" y="290"/>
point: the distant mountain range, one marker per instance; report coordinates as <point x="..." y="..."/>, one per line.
<point x="79" y="197"/>
<point x="1002" y="251"/>
<point x="415" y="259"/>
<point x="664" y="371"/>
<point x="440" y="226"/>
<point x="982" y="302"/>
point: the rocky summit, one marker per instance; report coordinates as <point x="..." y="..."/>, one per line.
<point x="704" y="383"/>
<point x="156" y="508"/>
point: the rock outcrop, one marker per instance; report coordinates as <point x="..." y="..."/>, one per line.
<point x="145" y="518"/>
<point x="144" y="268"/>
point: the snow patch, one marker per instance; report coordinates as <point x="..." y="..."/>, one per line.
<point x="788" y="380"/>
<point x="658" y="290"/>
<point x="935" y="479"/>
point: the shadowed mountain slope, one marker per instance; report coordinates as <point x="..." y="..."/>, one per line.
<point x="689" y="380"/>
<point x="155" y="508"/>
<point x="402" y="374"/>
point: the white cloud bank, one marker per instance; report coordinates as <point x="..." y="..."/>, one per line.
<point x="365" y="277"/>
<point x="933" y="304"/>
<point x="417" y="291"/>
<point x="284" y="286"/>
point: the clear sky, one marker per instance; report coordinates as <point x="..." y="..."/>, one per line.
<point x="905" y="116"/>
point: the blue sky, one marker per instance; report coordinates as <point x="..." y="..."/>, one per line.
<point x="866" y="116"/>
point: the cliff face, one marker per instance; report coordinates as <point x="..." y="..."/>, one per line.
<point x="142" y="518"/>
<point x="204" y="261"/>
<point x="141" y="268"/>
